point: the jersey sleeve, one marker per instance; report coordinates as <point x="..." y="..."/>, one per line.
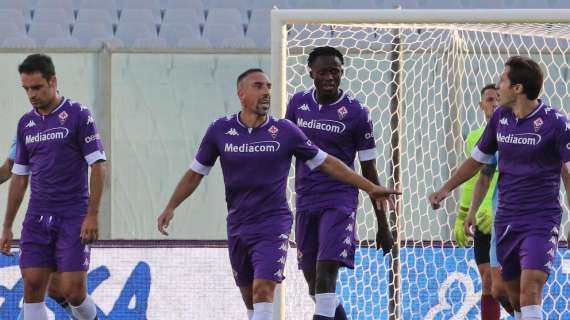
<point x="290" y="113"/>
<point x="364" y="137"/>
<point x="89" y="138"/>
<point x="207" y="154"/>
<point x="12" y="152"/>
<point x="563" y="140"/>
<point x="22" y="162"/>
<point x="484" y="150"/>
<point x="305" y="150"/>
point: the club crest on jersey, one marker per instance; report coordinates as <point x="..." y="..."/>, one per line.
<point x="342" y="112"/>
<point x="273" y="131"/>
<point x="537" y="124"/>
<point x="62" y="117"/>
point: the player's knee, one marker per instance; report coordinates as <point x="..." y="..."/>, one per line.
<point x="531" y="290"/>
<point x="326" y="282"/>
<point x="263" y="293"/>
<point x="74" y="294"/>
<point x="55" y="293"/>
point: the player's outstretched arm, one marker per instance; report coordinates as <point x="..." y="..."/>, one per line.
<point x="186" y="186"/>
<point x="89" y="228"/>
<point x="18" y="187"/>
<point x="384" y="238"/>
<point x="566" y="182"/>
<point x="479" y="193"/>
<point x="340" y="171"/>
<point x="6" y="170"/>
<point x="467" y="170"/>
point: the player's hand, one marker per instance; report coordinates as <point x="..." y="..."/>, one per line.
<point x="89" y="229"/>
<point x="484" y="220"/>
<point x="164" y="220"/>
<point x="384" y="198"/>
<point x="459" y="230"/>
<point x="436" y="198"/>
<point x="384" y="239"/>
<point x="469" y="225"/>
<point x="5" y="242"/>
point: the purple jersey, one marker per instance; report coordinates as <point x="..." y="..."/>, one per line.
<point x="56" y="150"/>
<point x="533" y="150"/>
<point x="341" y="129"/>
<point x="255" y="164"/>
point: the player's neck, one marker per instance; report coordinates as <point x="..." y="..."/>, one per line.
<point x="251" y="120"/>
<point x="523" y="107"/>
<point x="325" y="98"/>
<point x="54" y="104"/>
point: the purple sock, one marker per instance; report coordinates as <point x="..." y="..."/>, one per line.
<point x="339" y="313"/>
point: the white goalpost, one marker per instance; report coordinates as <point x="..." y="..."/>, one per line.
<point x="420" y="73"/>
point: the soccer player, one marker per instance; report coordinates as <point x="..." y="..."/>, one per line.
<point x="57" y="141"/>
<point x="533" y="141"/>
<point x="6" y="168"/>
<point x="326" y="208"/>
<point x="255" y="153"/>
<point x="483" y="212"/>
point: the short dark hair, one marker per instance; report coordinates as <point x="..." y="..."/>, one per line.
<point x="527" y="72"/>
<point x="38" y="62"/>
<point x="325" y="51"/>
<point x="488" y="87"/>
<point x="248" y="72"/>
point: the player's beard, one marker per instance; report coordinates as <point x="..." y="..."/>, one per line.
<point x="262" y="106"/>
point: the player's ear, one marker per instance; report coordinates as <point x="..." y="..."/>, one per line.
<point x="52" y="82"/>
<point x="311" y="73"/>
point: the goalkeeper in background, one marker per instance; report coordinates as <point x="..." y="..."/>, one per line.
<point x="490" y="309"/>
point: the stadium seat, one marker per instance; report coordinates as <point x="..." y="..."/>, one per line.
<point x="139" y="16"/>
<point x="186" y="16"/>
<point x="85" y="33"/>
<point x="216" y="33"/>
<point x="51" y="15"/>
<point x="107" y="5"/>
<point x="239" y="42"/>
<point x="128" y="32"/>
<point x="21" y="5"/>
<point x="185" y="5"/>
<point x="62" y="42"/>
<point x="173" y="32"/>
<point x="527" y="4"/>
<point x="312" y="4"/>
<point x="483" y="4"/>
<point x="269" y="4"/>
<point x="96" y="16"/>
<point x="258" y="33"/>
<point x="9" y="29"/>
<point x="193" y="42"/>
<point x="260" y="17"/>
<point x="152" y="5"/>
<point x="21" y="42"/>
<point x="40" y="32"/>
<point x="227" y="4"/>
<point x="15" y="17"/>
<point x="225" y="16"/>
<point x="66" y="5"/>
<point x="444" y="4"/>
<point x="357" y="4"/>
<point x="152" y="42"/>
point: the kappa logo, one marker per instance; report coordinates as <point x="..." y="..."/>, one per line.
<point x="232" y="132"/>
<point x="347" y="241"/>
<point x="284" y="236"/>
<point x="349" y="228"/>
<point x="567" y="126"/>
<point x="279" y="274"/>
<point x="558" y="115"/>
<point x="344" y="254"/>
<point x="283" y="247"/>
<point x="90" y="120"/>
<point x="282" y="260"/>
<point x="31" y="124"/>
<point x="537" y="124"/>
<point x="504" y="121"/>
<point x="82" y="107"/>
<point x="304" y="107"/>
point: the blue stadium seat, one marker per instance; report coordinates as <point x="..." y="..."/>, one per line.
<point x="62" y="42"/>
<point x="260" y="17"/>
<point x="173" y="32"/>
<point x="259" y="34"/>
<point x="193" y="42"/>
<point x="96" y="16"/>
<point x="186" y="16"/>
<point x="357" y="4"/>
<point x="217" y="33"/>
<point x="185" y="5"/>
<point x="313" y="4"/>
<point x="10" y="29"/>
<point x="107" y="5"/>
<point x="152" y="42"/>
<point x="483" y="4"/>
<point x="526" y="4"/>
<point x="228" y="4"/>
<point x="444" y="4"/>
<point x="225" y="16"/>
<point x="139" y="16"/>
<point x="66" y="5"/>
<point x="22" y="42"/>
<point x="86" y="33"/>
<point x="269" y="4"/>
<point x="152" y="5"/>
<point x="40" y="32"/>
<point x="51" y="15"/>
<point x="21" y="5"/>
<point x="129" y="32"/>
<point x="15" y="17"/>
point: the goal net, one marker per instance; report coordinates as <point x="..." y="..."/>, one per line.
<point x="422" y="83"/>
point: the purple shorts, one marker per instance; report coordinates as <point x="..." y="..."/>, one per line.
<point x="325" y="235"/>
<point x="518" y="250"/>
<point x="259" y="253"/>
<point x="52" y="241"/>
